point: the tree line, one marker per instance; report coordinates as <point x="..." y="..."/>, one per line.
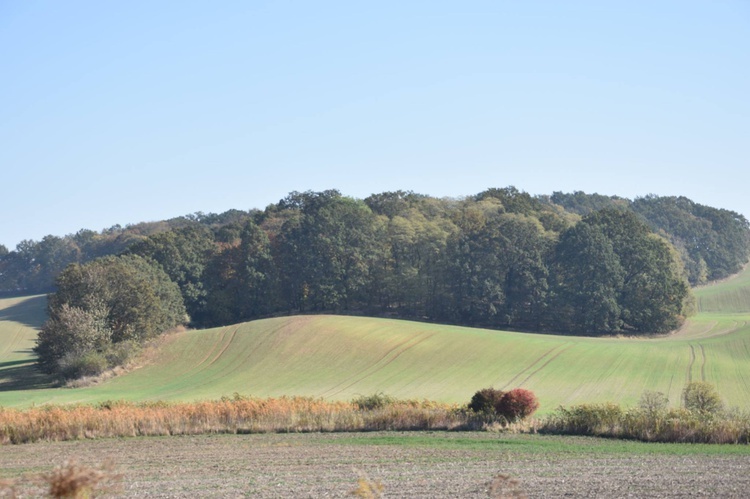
<point x="565" y="263"/>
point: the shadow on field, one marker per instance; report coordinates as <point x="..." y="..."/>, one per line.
<point x="31" y="312"/>
<point x="22" y="375"/>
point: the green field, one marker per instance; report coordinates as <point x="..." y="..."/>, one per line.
<point x="339" y="357"/>
<point x="19" y="320"/>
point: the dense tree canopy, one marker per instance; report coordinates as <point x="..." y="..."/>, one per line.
<point x="614" y="274"/>
<point x="577" y="263"/>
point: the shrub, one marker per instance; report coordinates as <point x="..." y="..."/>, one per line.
<point x="517" y="404"/>
<point x="653" y="403"/>
<point x="118" y="354"/>
<point x="76" y="366"/>
<point x="375" y="401"/>
<point x="486" y="400"/>
<point x="514" y="405"/>
<point x="701" y="397"/>
<point x="585" y="419"/>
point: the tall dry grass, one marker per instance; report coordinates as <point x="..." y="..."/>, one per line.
<point x="237" y="414"/>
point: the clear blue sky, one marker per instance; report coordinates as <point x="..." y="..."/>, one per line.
<point x="120" y="112"/>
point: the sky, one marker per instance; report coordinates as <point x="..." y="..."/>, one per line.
<point x="122" y="112"/>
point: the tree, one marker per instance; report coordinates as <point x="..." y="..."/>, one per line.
<point x="702" y="398"/>
<point x="654" y="289"/>
<point x="326" y="251"/>
<point x="588" y="280"/>
<point x="71" y="333"/>
<point x="497" y="267"/>
<point x="51" y="255"/>
<point x="183" y="254"/>
<point x="108" y="301"/>
<point x="258" y="277"/>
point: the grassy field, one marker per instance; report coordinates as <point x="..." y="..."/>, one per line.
<point x="19" y="320"/>
<point x="337" y="358"/>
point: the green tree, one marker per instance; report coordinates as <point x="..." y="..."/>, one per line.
<point x="257" y="274"/>
<point x="107" y="301"/>
<point x="588" y="280"/>
<point x="326" y="251"/>
<point x="702" y="398"/>
<point x="70" y="333"/>
<point x="654" y="289"/>
<point x="183" y="254"/>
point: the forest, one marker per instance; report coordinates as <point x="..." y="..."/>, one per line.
<point x="567" y="263"/>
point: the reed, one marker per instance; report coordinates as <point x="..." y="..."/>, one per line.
<point x="237" y="414"/>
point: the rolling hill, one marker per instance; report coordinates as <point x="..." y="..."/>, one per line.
<point x="339" y="357"/>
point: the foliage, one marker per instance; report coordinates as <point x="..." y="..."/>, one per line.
<point x="375" y="401"/>
<point x="517" y="404"/>
<point x="100" y="304"/>
<point x="653" y="403"/>
<point x="79" y="365"/>
<point x="486" y="400"/>
<point x="514" y="405"/>
<point x="702" y="398"/>
<point x="714" y="243"/>
<point x="183" y="255"/>
<point x="499" y="259"/>
<point x="613" y="274"/>
<point x="701" y="421"/>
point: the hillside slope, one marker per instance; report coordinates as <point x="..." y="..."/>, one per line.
<point x="339" y="357"/>
<point x="20" y="318"/>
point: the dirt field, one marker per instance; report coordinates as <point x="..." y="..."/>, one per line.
<point x="408" y="465"/>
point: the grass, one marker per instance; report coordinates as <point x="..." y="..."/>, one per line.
<point x="230" y="415"/>
<point x="540" y="444"/>
<point x="340" y="358"/>
<point x="20" y="318"/>
<point x="730" y="296"/>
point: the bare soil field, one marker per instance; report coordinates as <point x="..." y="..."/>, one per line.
<point x="435" y="464"/>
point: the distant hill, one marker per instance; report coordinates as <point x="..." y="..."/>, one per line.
<point x="502" y="259"/>
<point x="339" y="357"/>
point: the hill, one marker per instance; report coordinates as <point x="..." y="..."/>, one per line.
<point x="339" y="357"/>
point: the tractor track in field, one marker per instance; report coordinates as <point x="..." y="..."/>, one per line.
<point x="211" y="350"/>
<point x="218" y="356"/>
<point x="545" y="364"/>
<point x="376" y="366"/>
<point x="526" y="369"/>
<point x="693" y="358"/>
<point x="223" y="345"/>
<point x="17" y="337"/>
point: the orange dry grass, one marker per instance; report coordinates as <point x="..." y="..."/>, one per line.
<point x="228" y="415"/>
<point x="77" y="481"/>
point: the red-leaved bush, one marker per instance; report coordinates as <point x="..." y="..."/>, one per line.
<point x="517" y="404"/>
